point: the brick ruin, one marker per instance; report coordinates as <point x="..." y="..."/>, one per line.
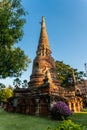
<point x="44" y="89"/>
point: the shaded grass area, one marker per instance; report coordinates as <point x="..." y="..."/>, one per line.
<point x="14" y="121"/>
<point x="79" y="118"/>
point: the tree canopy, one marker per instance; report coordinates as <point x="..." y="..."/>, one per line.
<point x="68" y="76"/>
<point x="13" y="60"/>
<point x="2" y="85"/>
<point x="5" y="93"/>
<point x="11" y="22"/>
<point x="18" y="83"/>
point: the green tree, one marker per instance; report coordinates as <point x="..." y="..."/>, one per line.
<point x="17" y="82"/>
<point x="68" y="76"/>
<point x="2" y="85"/>
<point x="11" y="22"/>
<point x="25" y="84"/>
<point x="13" y="61"/>
<point x="5" y="93"/>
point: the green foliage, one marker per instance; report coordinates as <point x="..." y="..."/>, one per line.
<point x="13" y="61"/>
<point x="68" y="125"/>
<point x="2" y="86"/>
<point x="11" y="22"/>
<point x="25" y="84"/>
<point x="84" y="109"/>
<point x="68" y="76"/>
<point x="5" y="93"/>
<point x="18" y="83"/>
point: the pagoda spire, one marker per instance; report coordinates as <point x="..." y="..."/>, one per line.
<point x="43" y="46"/>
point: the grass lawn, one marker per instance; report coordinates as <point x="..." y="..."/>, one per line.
<point x="14" y="121"/>
<point x="79" y="118"/>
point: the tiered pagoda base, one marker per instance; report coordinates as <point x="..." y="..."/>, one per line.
<point x="38" y="101"/>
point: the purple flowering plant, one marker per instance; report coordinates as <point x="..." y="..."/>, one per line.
<point x="60" y="111"/>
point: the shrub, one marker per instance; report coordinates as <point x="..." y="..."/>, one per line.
<point x="68" y="125"/>
<point x="60" y="111"/>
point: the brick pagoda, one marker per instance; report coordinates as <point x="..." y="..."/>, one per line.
<point x="44" y="89"/>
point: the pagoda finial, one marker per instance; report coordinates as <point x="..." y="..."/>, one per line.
<point x="43" y="46"/>
<point x="43" y="22"/>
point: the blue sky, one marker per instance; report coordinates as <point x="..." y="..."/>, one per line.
<point x="66" y="22"/>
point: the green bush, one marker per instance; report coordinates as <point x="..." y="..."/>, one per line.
<point x="68" y="125"/>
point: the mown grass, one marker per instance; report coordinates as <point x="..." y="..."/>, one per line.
<point x="79" y="118"/>
<point x="14" y="121"/>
